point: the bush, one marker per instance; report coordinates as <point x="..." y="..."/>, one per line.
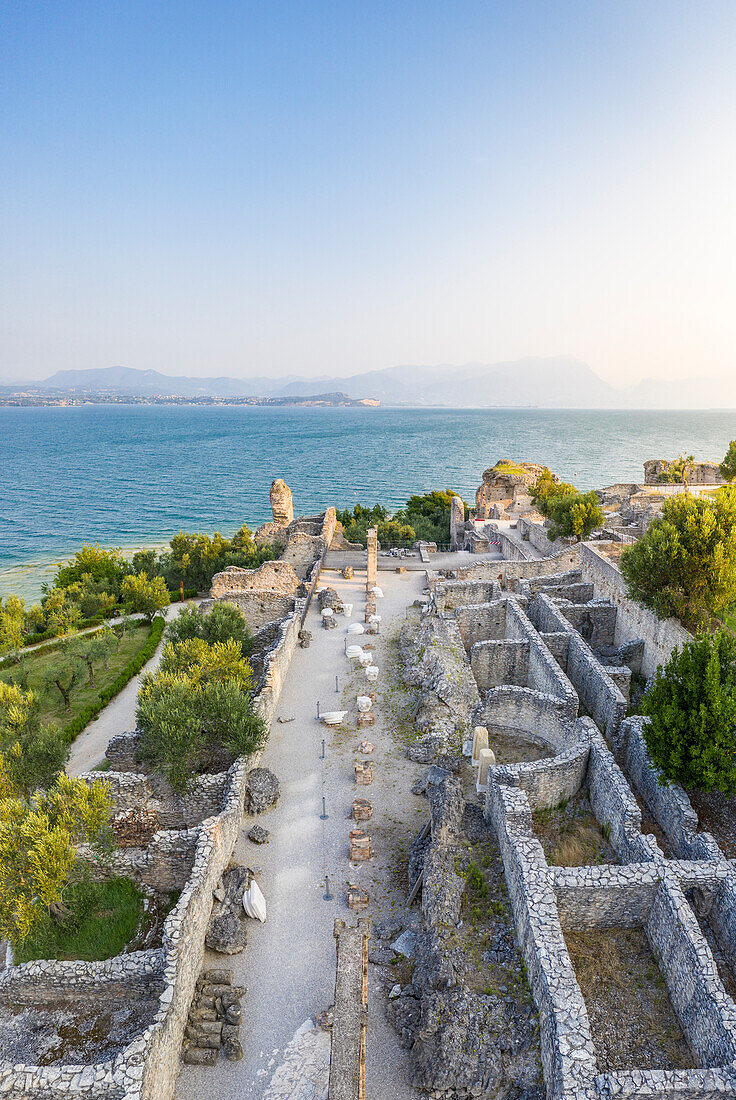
<point x="685" y="565"/>
<point x="197" y="709"/>
<point x="677" y="471"/>
<point x="691" y="706"/>
<point x="728" y="466"/>
<point x="222" y="623"/>
<point x="422" y="517"/>
<point x="107" y="566"/>
<point x="573" y="515"/>
<point x="143" y="596"/>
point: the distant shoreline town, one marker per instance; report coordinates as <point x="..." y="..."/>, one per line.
<point x="26" y="398"/>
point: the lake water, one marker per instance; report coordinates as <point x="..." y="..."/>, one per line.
<point x="135" y="475"/>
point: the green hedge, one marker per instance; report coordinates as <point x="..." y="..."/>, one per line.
<point x="176" y="597"/>
<point x="82" y="720"/>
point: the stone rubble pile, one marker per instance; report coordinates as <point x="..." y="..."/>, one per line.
<point x="214" y="1020"/>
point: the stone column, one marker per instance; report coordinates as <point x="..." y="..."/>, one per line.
<point x="282" y="506"/>
<point x="371" y="558"/>
<point x="457" y="519"/>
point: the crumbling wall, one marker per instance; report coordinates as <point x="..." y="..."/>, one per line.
<point x="633" y="621"/>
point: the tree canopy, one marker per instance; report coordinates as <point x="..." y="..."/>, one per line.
<point x="691" y="706"/>
<point x="685" y="564"/>
<point x="728" y="466"/>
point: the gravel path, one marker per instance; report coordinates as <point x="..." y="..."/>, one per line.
<point x="289" y="964"/>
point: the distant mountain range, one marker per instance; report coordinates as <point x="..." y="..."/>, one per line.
<point x="561" y="382"/>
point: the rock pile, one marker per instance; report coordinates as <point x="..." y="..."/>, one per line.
<point x="214" y="1020"/>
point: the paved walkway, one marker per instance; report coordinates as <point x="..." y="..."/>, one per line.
<point x="88" y="749"/>
<point x="289" y="964"/>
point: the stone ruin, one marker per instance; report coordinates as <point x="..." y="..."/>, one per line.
<point x="135" y="1007"/>
<point x="545" y="666"/>
<point x="505" y="488"/>
<point x="282" y="507"/>
<point x="696" y="473"/>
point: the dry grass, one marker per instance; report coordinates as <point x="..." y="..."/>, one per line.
<point x="632" y="1020"/>
<point x="571" y="836"/>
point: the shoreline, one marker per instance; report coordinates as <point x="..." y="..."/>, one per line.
<point x="26" y="578"/>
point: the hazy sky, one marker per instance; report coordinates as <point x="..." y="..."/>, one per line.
<point x="306" y="187"/>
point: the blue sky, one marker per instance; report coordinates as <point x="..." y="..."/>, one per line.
<point x="276" y="188"/>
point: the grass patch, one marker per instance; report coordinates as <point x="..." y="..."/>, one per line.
<point x="30" y="672"/>
<point x="632" y="1021"/>
<point x="571" y="836"/>
<point x="102" y="918"/>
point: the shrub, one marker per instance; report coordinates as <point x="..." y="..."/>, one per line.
<point x="143" y="596"/>
<point x="685" y="565"/>
<point x="222" y="623"/>
<point x="196" y="707"/>
<point x="34" y="754"/>
<point x="98" y="564"/>
<point x="573" y="515"/>
<point x="691" y="706"/>
<point x="38" y="841"/>
<point x="728" y="466"/>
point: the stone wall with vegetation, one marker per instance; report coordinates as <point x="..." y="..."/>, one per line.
<point x="191" y="859"/>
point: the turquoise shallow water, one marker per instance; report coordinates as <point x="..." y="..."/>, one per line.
<point x="136" y="475"/>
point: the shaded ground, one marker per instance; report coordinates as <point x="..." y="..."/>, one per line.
<point x="571" y="835"/>
<point x="511" y="747"/>
<point x="632" y="1021"/>
<point x="716" y="815"/>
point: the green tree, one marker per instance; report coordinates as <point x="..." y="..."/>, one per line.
<point x="108" y="643"/>
<point x="144" y="596"/>
<point x="38" y="840"/>
<point x="573" y="515"/>
<point x="65" y="673"/>
<point x="196" y="709"/>
<point x="678" y="471"/>
<point x="547" y="490"/>
<point x="107" y="566"/>
<point x="685" y="565"/>
<point x="146" y="561"/>
<point x="34" y="754"/>
<point x="728" y="466"/>
<point x="222" y="622"/>
<point x="61" y="613"/>
<point x="87" y="650"/>
<point x="12" y="626"/>
<point x="91" y="596"/>
<point x="691" y="706"/>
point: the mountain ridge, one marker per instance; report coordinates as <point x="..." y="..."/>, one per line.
<point x="541" y="382"/>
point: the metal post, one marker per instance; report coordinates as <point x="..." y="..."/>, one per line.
<point x="337" y="686"/>
<point x="324" y="815"/>
<point x="323" y="749"/>
<point x="318" y="708"/>
<point x="327" y="895"/>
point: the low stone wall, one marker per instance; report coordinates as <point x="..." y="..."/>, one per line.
<point x="545" y="674"/>
<point x="146" y="790"/>
<point x="568" y="1055"/>
<point x="633" y="621"/>
<point x="164" y="865"/>
<point x="599" y="694"/>
<point x="547" y="899"/>
<point x="543" y="720"/>
<point x="532" y="530"/>
<point x="451" y="594"/>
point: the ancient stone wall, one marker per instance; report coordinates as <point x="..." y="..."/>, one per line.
<point x="499" y="662"/>
<point x="191" y="859"/>
<point x="633" y="621"/>
<point x="601" y="697"/>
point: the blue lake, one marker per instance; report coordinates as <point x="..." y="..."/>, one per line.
<point x="135" y="475"/>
